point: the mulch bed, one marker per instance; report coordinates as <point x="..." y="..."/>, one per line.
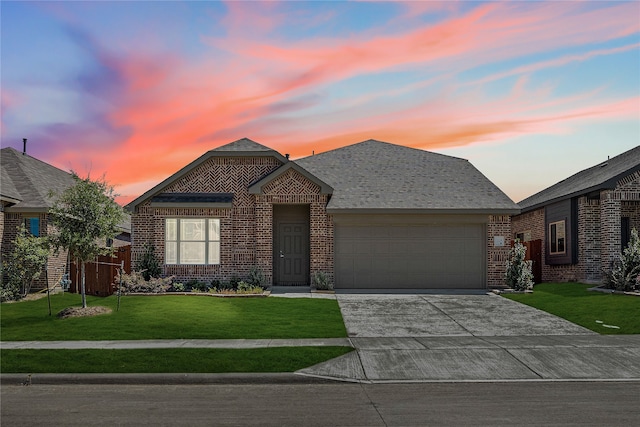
<point x="83" y="312"/>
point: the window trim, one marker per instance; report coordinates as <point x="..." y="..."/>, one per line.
<point x="559" y="225"/>
<point x="207" y="241"/>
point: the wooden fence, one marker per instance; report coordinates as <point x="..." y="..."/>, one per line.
<point x="99" y="274"/>
<point x="534" y="253"/>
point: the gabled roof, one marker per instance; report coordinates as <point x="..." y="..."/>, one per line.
<point x="27" y="181"/>
<point x="377" y="176"/>
<point x="599" y="177"/>
<point x="256" y="188"/>
<point x="241" y="148"/>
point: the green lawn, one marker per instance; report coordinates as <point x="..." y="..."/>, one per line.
<point x="174" y="317"/>
<point x="171" y="317"/>
<point x="181" y="360"/>
<point x="572" y="301"/>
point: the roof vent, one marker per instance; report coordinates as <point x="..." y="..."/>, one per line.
<point x="24" y="145"/>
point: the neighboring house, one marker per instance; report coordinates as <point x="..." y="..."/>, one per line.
<point x="25" y="191"/>
<point x="25" y="199"/>
<point x="370" y="215"/>
<point x="585" y="220"/>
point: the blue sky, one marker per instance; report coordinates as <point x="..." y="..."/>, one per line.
<point x="529" y="92"/>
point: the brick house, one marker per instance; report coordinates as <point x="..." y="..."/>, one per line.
<point x="25" y="199"/>
<point x="585" y="220"/>
<point x="370" y="215"/>
<point x="24" y="196"/>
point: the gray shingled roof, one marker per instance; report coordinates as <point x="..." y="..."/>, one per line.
<point x="374" y="175"/>
<point x="244" y="144"/>
<point x="599" y="177"/>
<point x="30" y="180"/>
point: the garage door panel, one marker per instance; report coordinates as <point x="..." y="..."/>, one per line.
<point x="412" y="256"/>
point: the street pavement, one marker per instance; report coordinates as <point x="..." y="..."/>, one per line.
<point x="422" y="338"/>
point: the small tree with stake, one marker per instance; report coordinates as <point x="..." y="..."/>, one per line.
<point x="84" y="216"/>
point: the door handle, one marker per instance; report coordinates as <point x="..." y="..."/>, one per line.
<point x="281" y="254"/>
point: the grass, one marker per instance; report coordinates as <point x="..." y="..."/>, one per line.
<point x="194" y="360"/>
<point x="173" y="317"/>
<point x="572" y="301"/>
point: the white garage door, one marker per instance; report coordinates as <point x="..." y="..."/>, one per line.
<point x="434" y="256"/>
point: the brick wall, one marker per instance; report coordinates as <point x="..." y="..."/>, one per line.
<point x="498" y="225"/>
<point x="247" y="228"/>
<point x="598" y="231"/>
<point x="56" y="264"/>
<point x="239" y="229"/>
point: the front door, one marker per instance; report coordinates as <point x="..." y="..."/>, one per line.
<point x="292" y="253"/>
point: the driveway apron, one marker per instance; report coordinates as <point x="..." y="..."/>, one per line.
<point x="470" y="338"/>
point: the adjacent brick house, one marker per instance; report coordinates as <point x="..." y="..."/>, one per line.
<point x="370" y="215"/>
<point x="24" y="196"/>
<point x="585" y="220"/>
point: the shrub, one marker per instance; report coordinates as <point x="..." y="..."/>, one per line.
<point x="148" y="264"/>
<point x="178" y="287"/>
<point x="256" y="277"/>
<point x="248" y="288"/>
<point x="518" y="275"/>
<point x="10" y="290"/>
<point x="134" y="283"/>
<point x="196" y="286"/>
<point x="321" y="281"/>
<point x="26" y="262"/>
<point x="624" y="271"/>
<point x="233" y="282"/>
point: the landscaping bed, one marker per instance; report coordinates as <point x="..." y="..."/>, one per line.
<point x="605" y="313"/>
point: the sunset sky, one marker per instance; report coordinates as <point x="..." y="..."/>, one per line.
<point x="529" y="92"/>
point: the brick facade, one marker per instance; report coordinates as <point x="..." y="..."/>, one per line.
<point x="247" y="227"/>
<point x="498" y="225"/>
<point x="599" y="231"/>
<point x="56" y="264"/>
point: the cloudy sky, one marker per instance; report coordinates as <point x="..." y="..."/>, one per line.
<point x="529" y="92"/>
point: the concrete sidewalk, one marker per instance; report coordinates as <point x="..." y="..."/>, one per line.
<point x="186" y="343"/>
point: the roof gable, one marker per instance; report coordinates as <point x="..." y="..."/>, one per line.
<point x="375" y="175"/>
<point x="599" y="177"/>
<point x="241" y="148"/>
<point x="257" y="187"/>
<point x="27" y="182"/>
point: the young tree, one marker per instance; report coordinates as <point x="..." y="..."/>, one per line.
<point x="148" y="264"/>
<point x="27" y="260"/>
<point x="84" y="216"/>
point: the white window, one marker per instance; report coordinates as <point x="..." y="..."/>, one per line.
<point x="557" y="237"/>
<point x="192" y="241"/>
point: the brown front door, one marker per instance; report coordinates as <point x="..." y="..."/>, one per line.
<point x="292" y="253"/>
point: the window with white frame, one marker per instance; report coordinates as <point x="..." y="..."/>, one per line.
<point x="557" y="238"/>
<point x="192" y="241"/>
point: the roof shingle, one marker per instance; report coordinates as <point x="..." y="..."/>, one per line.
<point x="378" y="175"/>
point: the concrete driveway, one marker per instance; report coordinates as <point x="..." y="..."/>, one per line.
<point x="408" y="338"/>
<point x="386" y="315"/>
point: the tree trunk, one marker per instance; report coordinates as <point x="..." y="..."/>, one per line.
<point x="84" y="296"/>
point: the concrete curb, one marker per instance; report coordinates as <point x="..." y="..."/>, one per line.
<point x="159" y="379"/>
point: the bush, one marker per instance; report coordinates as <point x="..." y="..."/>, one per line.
<point x="518" y="275"/>
<point x="135" y="283"/>
<point x="624" y="272"/>
<point x="321" y="281"/>
<point x="256" y="277"/>
<point x="177" y="287"/>
<point x="233" y="282"/>
<point x="248" y="288"/>
<point x="196" y="286"/>
<point x="10" y="290"/>
<point x="148" y="265"/>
